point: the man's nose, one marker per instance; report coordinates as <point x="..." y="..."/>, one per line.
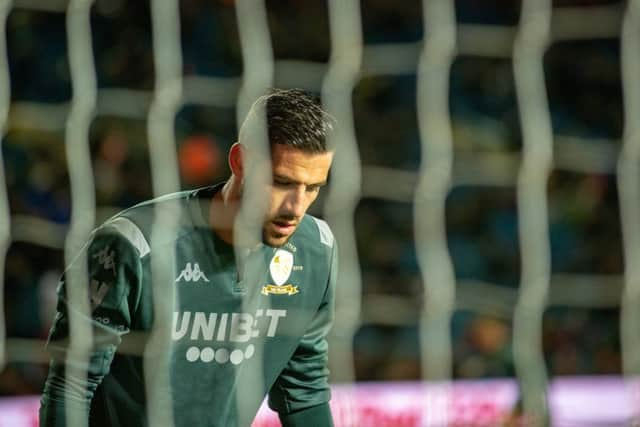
<point x="296" y="204"/>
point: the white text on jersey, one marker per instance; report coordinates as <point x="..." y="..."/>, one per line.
<point x="106" y="258"/>
<point x="234" y="327"/>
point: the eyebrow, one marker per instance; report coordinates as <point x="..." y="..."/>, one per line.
<point x="293" y="181"/>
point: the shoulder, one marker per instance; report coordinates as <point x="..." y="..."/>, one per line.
<point x="135" y="223"/>
<point x="316" y="232"/>
<point x="324" y="231"/>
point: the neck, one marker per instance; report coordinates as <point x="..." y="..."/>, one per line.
<point x="224" y="209"/>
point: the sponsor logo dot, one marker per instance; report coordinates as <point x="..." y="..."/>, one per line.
<point x="222" y="355"/>
<point x="248" y="353"/>
<point x="193" y="353"/>
<point x="206" y="355"/>
<point x="237" y="356"/>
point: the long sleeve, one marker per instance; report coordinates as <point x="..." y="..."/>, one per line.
<point x="319" y="415"/>
<point x="301" y="393"/>
<point x="114" y="274"/>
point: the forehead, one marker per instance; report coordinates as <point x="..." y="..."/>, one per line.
<point x="298" y="165"/>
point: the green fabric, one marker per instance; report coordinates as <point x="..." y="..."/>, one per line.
<point x="237" y="332"/>
<point x="316" y="416"/>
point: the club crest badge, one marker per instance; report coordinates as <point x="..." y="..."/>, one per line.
<point x="281" y="266"/>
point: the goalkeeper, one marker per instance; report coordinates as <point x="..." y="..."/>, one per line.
<point x="241" y="307"/>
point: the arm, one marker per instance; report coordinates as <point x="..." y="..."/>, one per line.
<point x="114" y="271"/>
<point x="301" y="393"/>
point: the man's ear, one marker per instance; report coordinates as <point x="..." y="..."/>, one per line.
<point x="237" y="159"/>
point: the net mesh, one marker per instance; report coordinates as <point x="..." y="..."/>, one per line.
<point x="529" y="171"/>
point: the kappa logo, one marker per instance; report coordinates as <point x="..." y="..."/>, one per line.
<point x="106" y="258"/>
<point x="192" y="274"/>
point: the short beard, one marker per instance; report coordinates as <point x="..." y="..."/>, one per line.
<point x="265" y="240"/>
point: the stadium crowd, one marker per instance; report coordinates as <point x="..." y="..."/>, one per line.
<point x="585" y="99"/>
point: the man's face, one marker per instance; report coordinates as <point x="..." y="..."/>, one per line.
<point x="297" y="179"/>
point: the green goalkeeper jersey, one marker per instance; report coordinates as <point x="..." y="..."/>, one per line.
<point x="241" y="328"/>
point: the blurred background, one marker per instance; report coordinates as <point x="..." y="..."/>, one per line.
<point x="583" y="80"/>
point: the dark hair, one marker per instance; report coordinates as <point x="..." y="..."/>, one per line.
<point x="296" y="118"/>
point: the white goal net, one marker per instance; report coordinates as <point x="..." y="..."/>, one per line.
<point x="484" y="194"/>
